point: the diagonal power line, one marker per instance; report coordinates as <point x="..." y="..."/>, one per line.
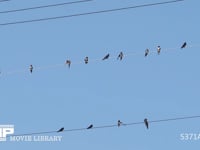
<point x="44" y="6"/>
<point x="112" y="126"/>
<point x="4" y="0"/>
<point x="89" y="13"/>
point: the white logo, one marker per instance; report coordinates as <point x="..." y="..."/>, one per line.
<point x="6" y="130"/>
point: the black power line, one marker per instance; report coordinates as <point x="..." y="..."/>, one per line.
<point x="111" y="126"/>
<point x="4" y="0"/>
<point x="44" y="6"/>
<point x="89" y="13"/>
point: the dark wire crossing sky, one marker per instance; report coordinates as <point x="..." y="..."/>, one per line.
<point x="81" y="14"/>
<point x="4" y="0"/>
<point x="45" y="6"/>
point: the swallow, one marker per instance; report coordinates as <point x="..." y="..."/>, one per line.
<point x="158" y="49"/>
<point x="61" y="129"/>
<point x="68" y="62"/>
<point x="31" y="68"/>
<point x="184" y="45"/>
<point x="106" y="57"/>
<point x="86" y="60"/>
<point x="146" y="52"/>
<point x="120" y="56"/>
<point x="119" y="123"/>
<point x="146" y="123"/>
<point x="90" y="127"/>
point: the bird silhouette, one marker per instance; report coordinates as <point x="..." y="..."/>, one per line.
<point x="146" y="52"/>
<point x="120" y="56"/>
<point x="90" y="126"/>
<point x="68" y="62"/>
<point x="184" y="45"/>
<point x="86" y="60"/>
<point x="146" y="123"/>
<point x="158" y="49"/>
<point x="106" y="57"/>
<point x="61" y="129"/>
<point x="31" y="68"/>
<point x="119" y="123"/>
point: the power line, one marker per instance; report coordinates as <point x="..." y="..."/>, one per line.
<point x="128" y="54"/>
<point x="112" y="125"/>
<point x="44" y="6"/>
<point x="4" y="0"/>
<point x="89" y="13"/>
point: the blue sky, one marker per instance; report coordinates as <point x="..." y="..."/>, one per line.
<point x="101" y="92"/>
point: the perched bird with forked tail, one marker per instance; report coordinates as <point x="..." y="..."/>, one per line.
<point x="119" y="123"/>
<point x="86" y="60"/>
<point x="184" y="45"/>
<point x="61" y="129"/>
<point x="31" y="68"/>
<point x="106" y="57"/>
<point x="146" y="123"/>
<point x="146" y="52"/>
<point x="68" y="62"/>
<point x="158" y="50"/>
<point x="90" y="126"/>
<point x="120" y="56"/>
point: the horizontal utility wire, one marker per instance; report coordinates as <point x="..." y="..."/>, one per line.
<point x="44" y="6"/>
<point x="4" y="0"/>
<point x="111" y="126"/>
<point x="128" y="54"/>
<point x="89" y="13"/>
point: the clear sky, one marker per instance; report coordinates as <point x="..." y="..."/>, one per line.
<point x="101" y="92"/>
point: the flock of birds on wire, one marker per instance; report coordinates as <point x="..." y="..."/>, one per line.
<point x="119" y="123"/>
<point x="119" y="57"/>
<point x="146" y="122"/>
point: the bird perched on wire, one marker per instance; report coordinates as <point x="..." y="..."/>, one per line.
<point x="146" y="123"/>
<point x="184" y="45"/>
<point x="31" y="68"/>
<point x="61" y="129"/>
<point x="119" y="123"/>
<point x="158" y="50"/>
<point x="106" y="57"/>
<point x="86" y="60"/>
<point x="90" y="126"/>
<point x="120" y="56"/>
<point x="146" y="52"/>
<point x="68" y="62"/>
